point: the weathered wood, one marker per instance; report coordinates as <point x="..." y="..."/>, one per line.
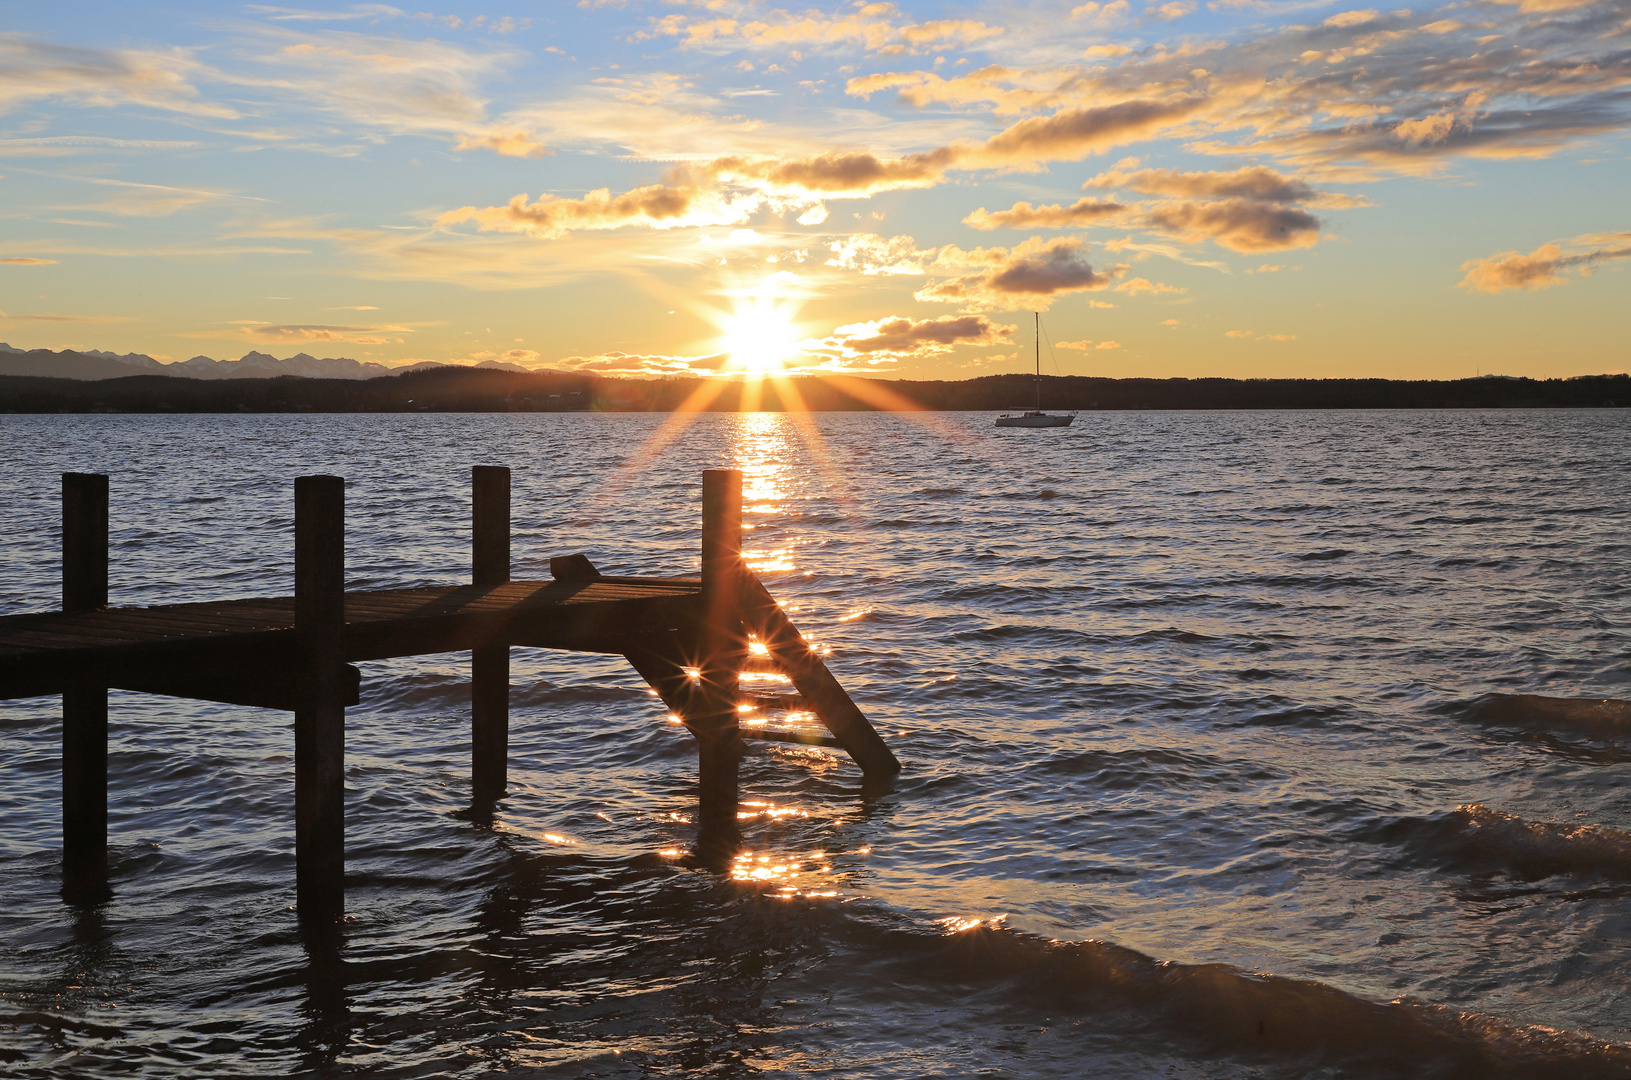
<point x="43" y="653"/>
<point x="805" y="738"/>
<point x="814" y="682"/>
<point x="789" y="702"/>
<point x="573" y="568"/>
<point x="262" y="688"/>
<point x="84" y="541"/>
<point x="687" y="635"/>
<point x="84" y="704"/>
<point x="84" y="792"/>
<point x="722" y="652"/>
<point x="490" y="663"/>
<point x="490" y="524"/>
<point x="320" y="716"/>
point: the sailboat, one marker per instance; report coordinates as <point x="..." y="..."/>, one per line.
<point x="1036" y="417"/>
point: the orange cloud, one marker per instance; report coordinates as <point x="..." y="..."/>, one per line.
<point x="1144" y="285"/>
<point x="900" y="337"/>
<point x="1023" y="215"/>
<point x="1243" y="225"/>
<point x="1030" y="275"/>
<point x="519" y="144"/>
<point x="1545" y="266"/>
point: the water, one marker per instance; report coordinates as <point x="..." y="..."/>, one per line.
<point x="1235" y="745"/>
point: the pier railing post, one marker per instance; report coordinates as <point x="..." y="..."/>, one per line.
<point x="722" y="649"/>
<point x="319" y="720"/>
<point x="490" y="664"/>
<point x="84" y="706"/>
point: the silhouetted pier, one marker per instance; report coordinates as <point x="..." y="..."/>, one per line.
<point x="689" y="637"/>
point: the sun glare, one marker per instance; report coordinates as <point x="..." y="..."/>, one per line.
<point x="760" y="335"/>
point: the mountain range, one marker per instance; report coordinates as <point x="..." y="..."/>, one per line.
<point x="97" y="364"/>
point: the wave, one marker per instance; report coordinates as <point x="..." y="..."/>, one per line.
<point x="1324" y="556"/>
<point x="1598" y="717"/>
<point x="1476" y="838"/>
<point x="1221" y="1010"/>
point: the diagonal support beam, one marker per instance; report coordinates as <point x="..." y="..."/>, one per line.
<point x="765" y="619"/>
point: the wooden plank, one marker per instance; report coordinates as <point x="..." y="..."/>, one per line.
<point x="789" y="702"/>
<point x="260" y="687"/>
<point x="806" y="738"/>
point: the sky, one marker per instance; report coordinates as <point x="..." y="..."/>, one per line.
<point x="1239" y="188"/>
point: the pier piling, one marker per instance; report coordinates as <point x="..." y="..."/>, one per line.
<point x="490" y="663"/>
<point x="319" y="719"/>
<point x="85" y="703"/>
<point x="723" y="650"/>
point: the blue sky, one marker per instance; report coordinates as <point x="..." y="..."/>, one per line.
<point x="1198" y="187"/>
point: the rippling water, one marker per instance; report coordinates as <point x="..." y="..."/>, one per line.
<point x="1240" y="744"/>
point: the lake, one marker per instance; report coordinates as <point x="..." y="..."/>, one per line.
<point x="1235" y="744"/>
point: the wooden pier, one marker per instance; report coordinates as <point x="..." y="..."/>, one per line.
<point x="689" y="637"/>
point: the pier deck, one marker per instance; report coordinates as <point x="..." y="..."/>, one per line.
<point x="140" y="648"/>
<point x="689" y="637"/>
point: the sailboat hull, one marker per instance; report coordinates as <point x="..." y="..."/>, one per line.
<point x="1034" y="420"/>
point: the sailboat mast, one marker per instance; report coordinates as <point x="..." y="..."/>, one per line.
<point x="1037" y="330"/>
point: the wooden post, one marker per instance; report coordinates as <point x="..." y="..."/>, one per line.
<point x="319" y="719"/>
<point x="490" y="664"/>
<point x="722" y="650"/>
<point x="85" y="706"/>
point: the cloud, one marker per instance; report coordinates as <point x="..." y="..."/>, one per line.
<point x="1105" y="13"/>
<point x="642" y="364"/>
<point x="835" y="175"/>
<point x="660" y="206"/>
<point x="1070" y="134"/>
<point x="871" y="254"/>
<point x="517" y="144"/>
<point x="1546" y="266"/>
<point x="869" y="27"/>
<point x="1030" y="275"/>
<point x="66" y="145"/>
<point x="1242" y="225"/>
<point x="277" y="334"/>
<point x="1247" y="335"/>
<point x="1023" y="215"/>
<point x="358" y="11"/>
<point x="103" y="78"/>
<point x="1256" y="182"/>
<point x="25" y="261"/>
<point x="901" y="338"/>
<point x="1108" y="345"/>
<point x="1531" y="6"/>
<point x="1174" y="9"/>
<point x="1346" y="19"/>
<point x="49" y="317"/>
<point x="1134" y="286"/>
<point x="1082" y="346"/>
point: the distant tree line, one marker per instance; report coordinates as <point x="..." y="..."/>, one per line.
<point x="455" y="389"/>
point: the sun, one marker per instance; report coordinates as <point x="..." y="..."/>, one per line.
<point x="760" y="335"/>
